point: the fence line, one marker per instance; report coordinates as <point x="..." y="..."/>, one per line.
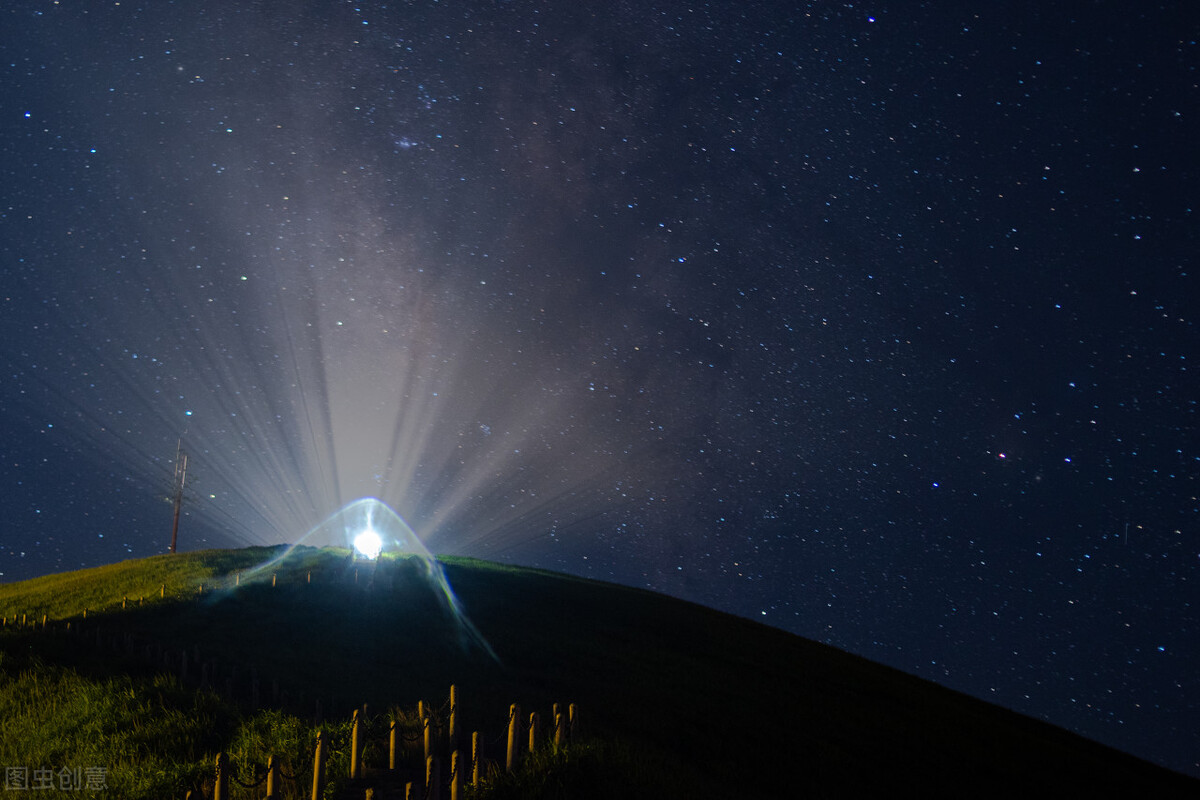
<point x="437" y="729"/>
<point x="421" y="773"/>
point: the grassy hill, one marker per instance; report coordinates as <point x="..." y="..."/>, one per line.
<point x="249" y="652"/>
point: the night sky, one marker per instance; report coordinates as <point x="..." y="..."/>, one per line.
<point x="873" y="322"/>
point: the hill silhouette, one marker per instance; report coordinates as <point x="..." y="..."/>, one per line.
<point x="684" y="701"/>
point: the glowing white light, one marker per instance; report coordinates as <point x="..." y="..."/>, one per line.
<point x="368" y="543"/>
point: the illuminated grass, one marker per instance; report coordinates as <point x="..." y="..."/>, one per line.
<point x="66" y="595"/>
<point x="148" y="735"/>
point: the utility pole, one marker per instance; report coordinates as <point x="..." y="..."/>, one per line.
<point x="180" y="474"/>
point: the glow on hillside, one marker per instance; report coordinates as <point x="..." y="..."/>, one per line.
<point x="368" y="544"/>
<point x="372" y="528"/>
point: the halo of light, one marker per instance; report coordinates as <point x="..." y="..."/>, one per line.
<point x="368" y="543"/>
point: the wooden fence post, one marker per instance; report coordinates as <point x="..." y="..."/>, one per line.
<point x="221" y="791"/>
<point x="456" y="781"/>
<point x="453" y="737"/>
<point x="392" y="733"/>
<point x="534" y="725"/>
<point x="514" y="727"/>
<point x="318" y="785"/>
<point x="432" y="779"/>
<point x="355" y="766"/>
<point x="427" y="726"/>
<point x="558" y="730"/>
<point x="272" y="778"/>
<point x="475" y="758"/>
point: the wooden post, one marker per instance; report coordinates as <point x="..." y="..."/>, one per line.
<point x="392" y="733"/>
<point x="427" y="724"/>
<point x="355" y="766"/>
<point x="221" y="791"/>
<point x="514" y="730"/>
<point x="272" y="778"/>
<point x="456" y="781"/>
<point x="573" y="723"/>
<point x="475" y="758"/>
<point x="534" y="725"/>
<point x="318" y="785"/>
<point x="453" y="736"/>
<point x="433" y="781"/>
<point x="559" y="734"/>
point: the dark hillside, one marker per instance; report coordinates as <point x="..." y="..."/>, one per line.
<point x="712" y="704"/>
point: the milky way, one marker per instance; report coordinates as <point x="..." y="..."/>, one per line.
<point x="869" y="323"/>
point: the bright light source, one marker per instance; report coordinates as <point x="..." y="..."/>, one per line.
<point x="368" y="543"/>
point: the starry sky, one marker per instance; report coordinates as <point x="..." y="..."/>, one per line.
<point x="873" y="322"/>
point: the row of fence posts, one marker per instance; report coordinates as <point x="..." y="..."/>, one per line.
<point x="565" y="724"/>
<point x="127" y="601"/>
<point x="566" y="728"/>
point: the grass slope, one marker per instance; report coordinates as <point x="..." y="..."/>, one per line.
<point x="684" y="701"/>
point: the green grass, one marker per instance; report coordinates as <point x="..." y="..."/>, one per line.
<point x="675" y="700"/>
<point x="100" y="589"/>
<point x="148" y="735"/>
